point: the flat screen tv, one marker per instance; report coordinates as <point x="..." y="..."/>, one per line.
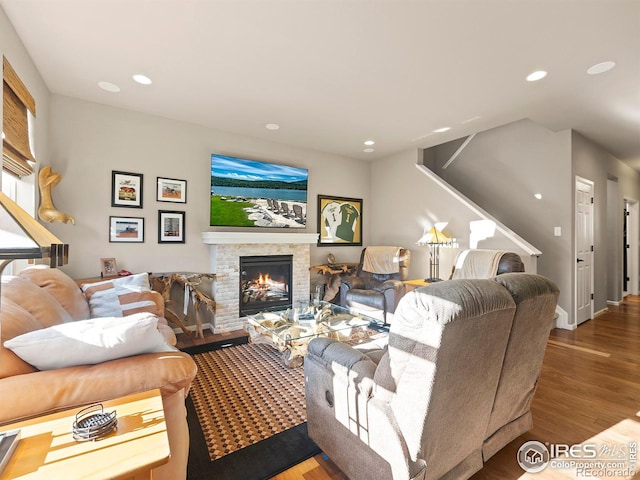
<point x="250" y="193"/>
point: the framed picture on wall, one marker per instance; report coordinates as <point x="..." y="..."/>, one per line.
<point x="339" y="221"/>
<point x="126" y="189"/>
<point x="170" y="227"/>
<point x="126" y="229"/>
<point x="171" y="190"/>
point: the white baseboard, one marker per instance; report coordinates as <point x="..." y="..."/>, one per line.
<point x="600" y="312"/>
<point x="562" y="320"/>
<point x="614" y="303"/>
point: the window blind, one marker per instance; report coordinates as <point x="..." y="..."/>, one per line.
<point x="16" y="103"/>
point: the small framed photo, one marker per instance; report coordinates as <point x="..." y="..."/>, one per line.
<point x="170" y="227"/>
<point x="171" y="190"/>
<point x="126" y="189"/>
<point x="126" y="229"/>
<point x="339" y="221"/>
<point x="108" y="267"/>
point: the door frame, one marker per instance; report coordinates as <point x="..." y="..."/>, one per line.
<point x="580" y="179"/>
<point x="633" y="236"/>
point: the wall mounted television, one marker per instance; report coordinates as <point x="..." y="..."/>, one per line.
<point x="251" y="193"/>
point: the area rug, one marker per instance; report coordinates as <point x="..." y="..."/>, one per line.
<point x="246" y="414"/>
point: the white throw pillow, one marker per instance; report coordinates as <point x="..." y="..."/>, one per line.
<point x="88" y="342"/>
<point x="117" y="297"/>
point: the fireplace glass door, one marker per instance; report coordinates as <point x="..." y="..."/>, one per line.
<point x="265" y="283"/>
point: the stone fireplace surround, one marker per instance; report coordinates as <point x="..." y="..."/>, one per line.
<point x="226" y="248"/>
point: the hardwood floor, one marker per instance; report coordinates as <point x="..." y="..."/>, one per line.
<point x="589" y="391"/>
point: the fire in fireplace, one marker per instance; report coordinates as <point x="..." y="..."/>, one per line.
<point x="265" y="283"/>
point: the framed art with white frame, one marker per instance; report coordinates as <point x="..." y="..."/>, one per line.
<point x="170" y="226"/>
<point x="171" y="190"/>
<point x="126" y="229"/>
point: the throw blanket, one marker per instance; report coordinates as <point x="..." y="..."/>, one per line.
<point x="381" y="260"/>
<point x="477" y="264"/>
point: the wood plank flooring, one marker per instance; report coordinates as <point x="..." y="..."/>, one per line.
<point x="589" y="391"/>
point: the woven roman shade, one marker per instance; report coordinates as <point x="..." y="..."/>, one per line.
<point x="16" y="103"/>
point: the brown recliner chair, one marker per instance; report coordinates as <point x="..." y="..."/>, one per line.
<point x="483" y="263"/>
<point x="377" y="293"/>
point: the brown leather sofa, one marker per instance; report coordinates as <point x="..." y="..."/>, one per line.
<point x="375" y="294"/>
<point x="38" y="298"/>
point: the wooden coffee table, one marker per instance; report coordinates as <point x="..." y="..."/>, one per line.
<point x="48" y="451"/>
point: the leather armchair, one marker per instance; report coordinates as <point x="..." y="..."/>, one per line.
<point x="375" y="294"/>
<point x="482" y="263"/>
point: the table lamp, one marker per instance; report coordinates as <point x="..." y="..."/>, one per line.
<point x="435" y="238"/>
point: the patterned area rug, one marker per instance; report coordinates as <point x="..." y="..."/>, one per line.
<point x="243" y="395"/>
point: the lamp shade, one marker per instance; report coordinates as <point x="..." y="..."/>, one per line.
<point x="22" y="237"/>
<point x="435" y="236"/>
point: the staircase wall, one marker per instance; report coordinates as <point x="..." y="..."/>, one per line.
<point x="503" y="168"/>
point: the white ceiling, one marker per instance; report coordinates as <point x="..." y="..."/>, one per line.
<point x="334" y="73"/>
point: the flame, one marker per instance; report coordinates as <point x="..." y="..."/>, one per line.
<point x="263" y="279"/>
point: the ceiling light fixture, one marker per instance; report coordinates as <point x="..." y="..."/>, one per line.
<point x="272" y="126"/>
<point x="537" y="75"/>
<point x="443" y="129"/>
<point x="369" y="150"/>
<point x="369" y="142"/>
<point x="109" y="87"/>
<point x="538" y="196"/>
<point x="141" y="79"/>
<point x="601" y="67"/>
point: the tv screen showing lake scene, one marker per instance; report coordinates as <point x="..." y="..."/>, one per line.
<point x="250" y="193"/>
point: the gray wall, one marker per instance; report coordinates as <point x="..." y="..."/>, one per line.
<point x="594" y="163"/>
<point x="405" y="202"/>
<point x="501" y="169"/>
<point x="89" y="140"/>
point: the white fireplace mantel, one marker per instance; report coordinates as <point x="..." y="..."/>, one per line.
<point x="220" y="238"/>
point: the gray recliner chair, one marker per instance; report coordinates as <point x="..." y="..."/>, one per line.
<point x="427" y="406"/>
<point x="375" y="289"/>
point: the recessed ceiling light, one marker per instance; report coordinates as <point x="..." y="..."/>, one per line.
<point x="272" y="126"/>
<point x="369" y="150"/>
<point x="142" y="79"/>
<point x="537" y="75"/>
<point x="443" y="129"/>
<point x="601" y="67"/>
<point x="538" y="196"/>
<point x="369" y="142"/>
<point x="109" y="87"/>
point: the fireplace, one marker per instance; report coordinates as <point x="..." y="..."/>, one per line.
<point x="265" y="283"/>
<point x="226" y="248"/>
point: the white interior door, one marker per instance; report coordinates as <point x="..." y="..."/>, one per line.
<point x="584" y="250"/>
<point x="631" y="246"/>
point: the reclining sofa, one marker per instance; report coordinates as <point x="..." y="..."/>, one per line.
<point x="452" y="387"/>
<point x="41" y="297"/>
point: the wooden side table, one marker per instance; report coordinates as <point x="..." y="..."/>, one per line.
<point x="410" y="285"/>
<point x="47" y="449"/>
<point x="333" y="274"/>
